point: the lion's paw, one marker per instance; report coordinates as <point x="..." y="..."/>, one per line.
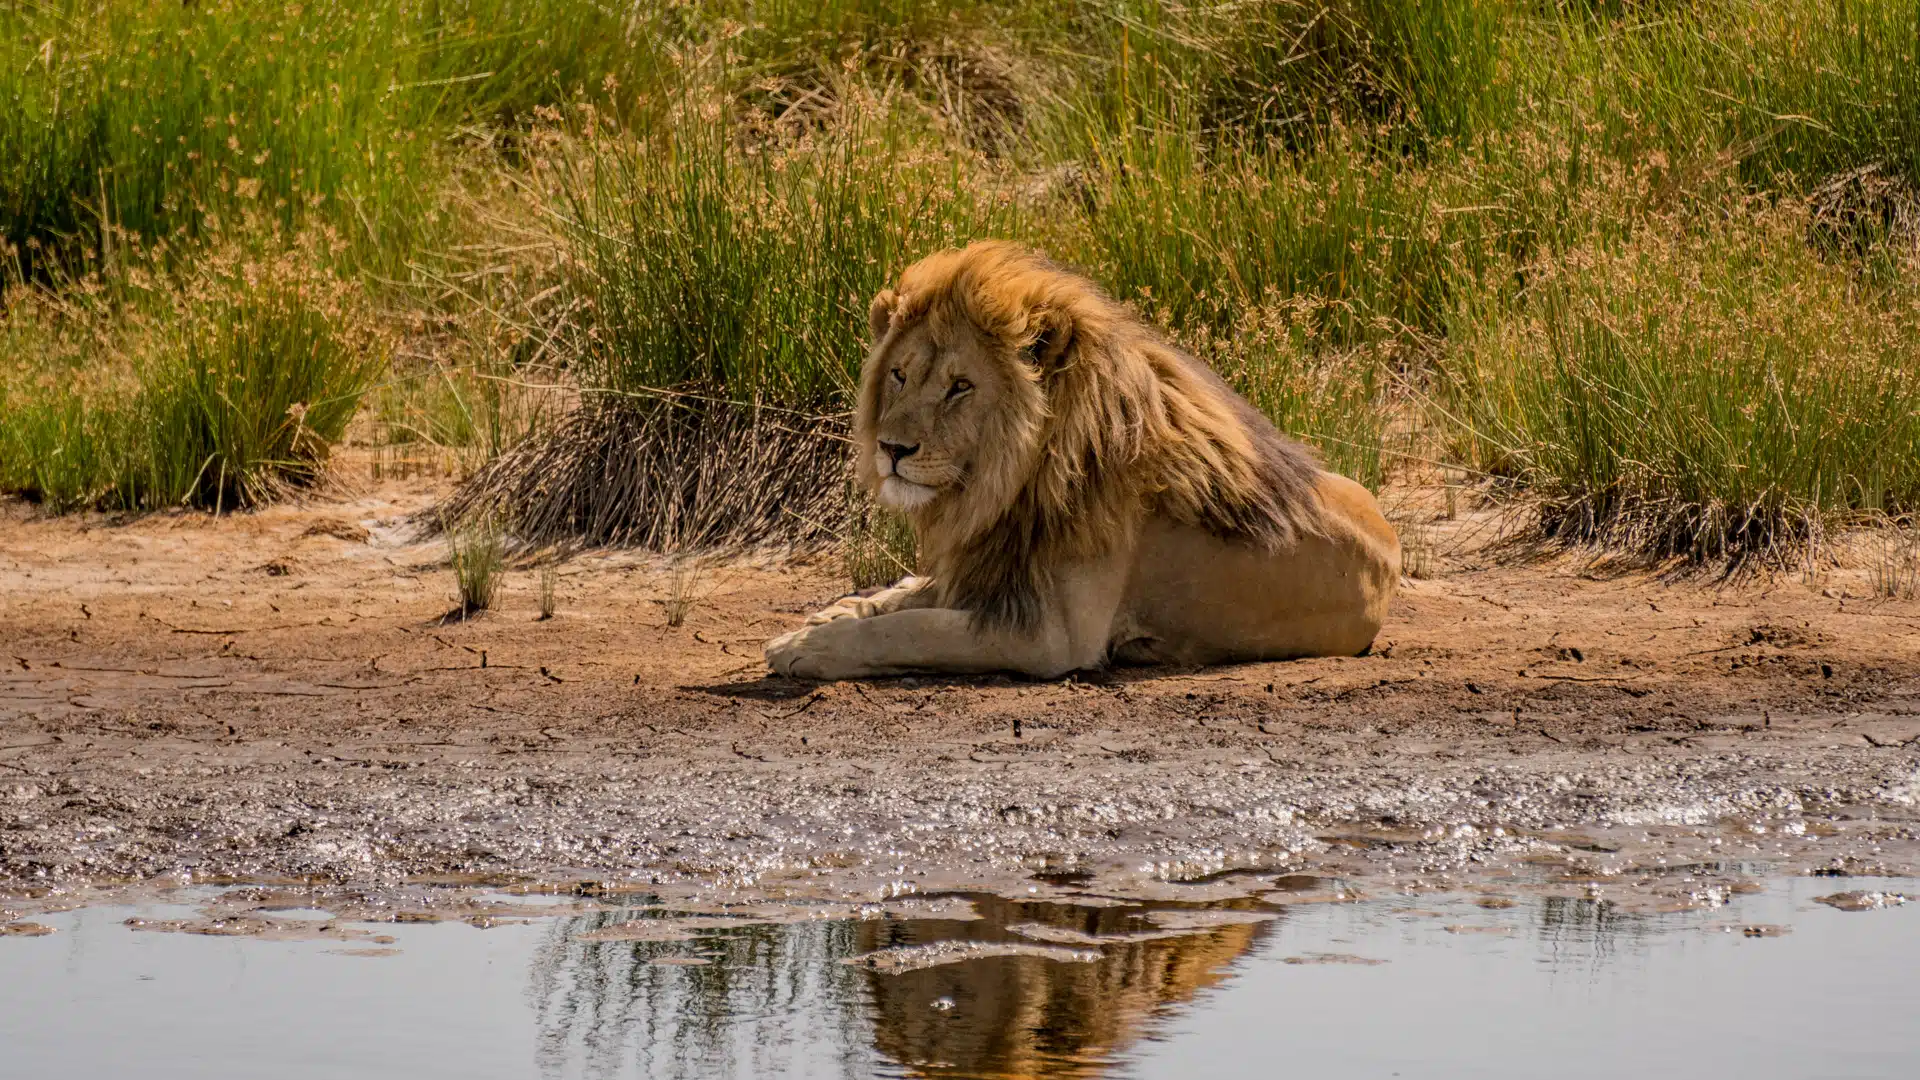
<point x="816" y="652"/>
<point x="798" y="654"/>
<point x="782" y="651"/>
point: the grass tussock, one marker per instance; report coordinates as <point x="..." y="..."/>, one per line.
<point x="727" y="293"/>
<point x="686" y="585"/>
<point x="549" y="590"/>
<point x="230" y="392"/>
<point x="1715" y="394"/>
<point x="879" y="547"/>
<point x="749" y="273"/>
<point x="476" y="551"/>
<point x="1894" y="573"/>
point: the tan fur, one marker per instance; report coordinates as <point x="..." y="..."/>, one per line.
<point x="1083" y="491"/>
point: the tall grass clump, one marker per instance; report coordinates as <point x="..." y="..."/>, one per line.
<point x="161" y="120"/>
<point x="879" y="546"/>
<point x="248" y="400"/>
<point x="56" y="448"/>
<point x="233" y="392"/>
<point x="477" y="553"/>
<point x="1894" y="572"/>
<point x="746" y="275"/>
<point x="1201" y="239"/>
<point x="1716" y="393"/>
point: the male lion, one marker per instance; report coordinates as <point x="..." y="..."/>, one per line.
<point x="1083" y="492"/>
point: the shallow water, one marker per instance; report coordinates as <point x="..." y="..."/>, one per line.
<point x="1773" y="984"/>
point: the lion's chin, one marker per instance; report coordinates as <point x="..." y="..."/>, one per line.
<point x="905" y="494"/>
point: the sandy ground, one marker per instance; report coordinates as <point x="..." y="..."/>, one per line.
<point x="276" y="695"/>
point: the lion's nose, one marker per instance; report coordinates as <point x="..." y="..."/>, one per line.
<point x="897" y="452"/>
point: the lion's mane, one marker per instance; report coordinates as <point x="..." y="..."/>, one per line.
<point x="1108" y="424"/>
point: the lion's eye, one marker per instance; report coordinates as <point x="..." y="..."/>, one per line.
<point x="960" y="386"/>
<point x="899" y="376"/>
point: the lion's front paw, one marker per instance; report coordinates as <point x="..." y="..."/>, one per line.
<point x="825" y="652"/>
<point x="800" y="654"/>
<point x="782" y="651"/>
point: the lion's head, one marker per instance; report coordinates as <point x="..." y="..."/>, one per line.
<point x="1020" y="417"/>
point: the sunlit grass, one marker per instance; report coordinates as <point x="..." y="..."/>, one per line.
<point x="476" y="551"/>
<point x="1584" y="216"/>
<point x="143" y="121"/>
<point x="1719" y="393"/>
<point x="747" y="275"/>
<point x="233" y="392"/>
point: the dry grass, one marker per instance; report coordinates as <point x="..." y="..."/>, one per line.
<point x="549" y="589"/>
<point x="667" y="475"/>
<point x="1712" y="390"/>
<point x="1894" y="573"/>
<point x="879" y="547"/>
<point x="686" y="584"/>
<point x="1417" y="556"/>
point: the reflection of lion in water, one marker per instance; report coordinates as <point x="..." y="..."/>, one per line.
<point x="1014" y="1017"/>
<point x="1082" y="491"/>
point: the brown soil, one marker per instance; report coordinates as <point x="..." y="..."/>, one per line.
<point x="279" y="693"/>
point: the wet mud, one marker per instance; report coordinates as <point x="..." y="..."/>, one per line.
<point x="279" y="698"/>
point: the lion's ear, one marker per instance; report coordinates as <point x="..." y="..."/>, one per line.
<point x="880" y="315"/>
<point x="1053" y="337"/>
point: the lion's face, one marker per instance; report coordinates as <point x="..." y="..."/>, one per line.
<point x="932" y="406"/>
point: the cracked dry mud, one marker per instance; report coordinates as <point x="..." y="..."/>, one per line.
<point x="276" y="696"/>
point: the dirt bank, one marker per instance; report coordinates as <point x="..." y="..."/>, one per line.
<point x="276" y="694"/>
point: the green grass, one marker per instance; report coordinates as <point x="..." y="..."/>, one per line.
<point x="1786" y="91"/>
<point x="144" y="122"/>
<point x="58" y="449"/>
<point x="1289" y="71"/>
<point x="715" y="272"/>
<point x="1720" y="394"/>
<point x="1201" y="240"/>
<point x="247" y="401"/>
<point x="236" y="396"/>
<point x="880" y="548"/>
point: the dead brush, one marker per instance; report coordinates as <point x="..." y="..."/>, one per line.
<point x="666" y="475"/>
<point x="1416" y="549"/>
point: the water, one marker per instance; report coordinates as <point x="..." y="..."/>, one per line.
<point x="1771" y="985"/>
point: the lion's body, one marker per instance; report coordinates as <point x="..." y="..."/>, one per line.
<point x="1083" y="493"/>
<point x="1195" y="598"/>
